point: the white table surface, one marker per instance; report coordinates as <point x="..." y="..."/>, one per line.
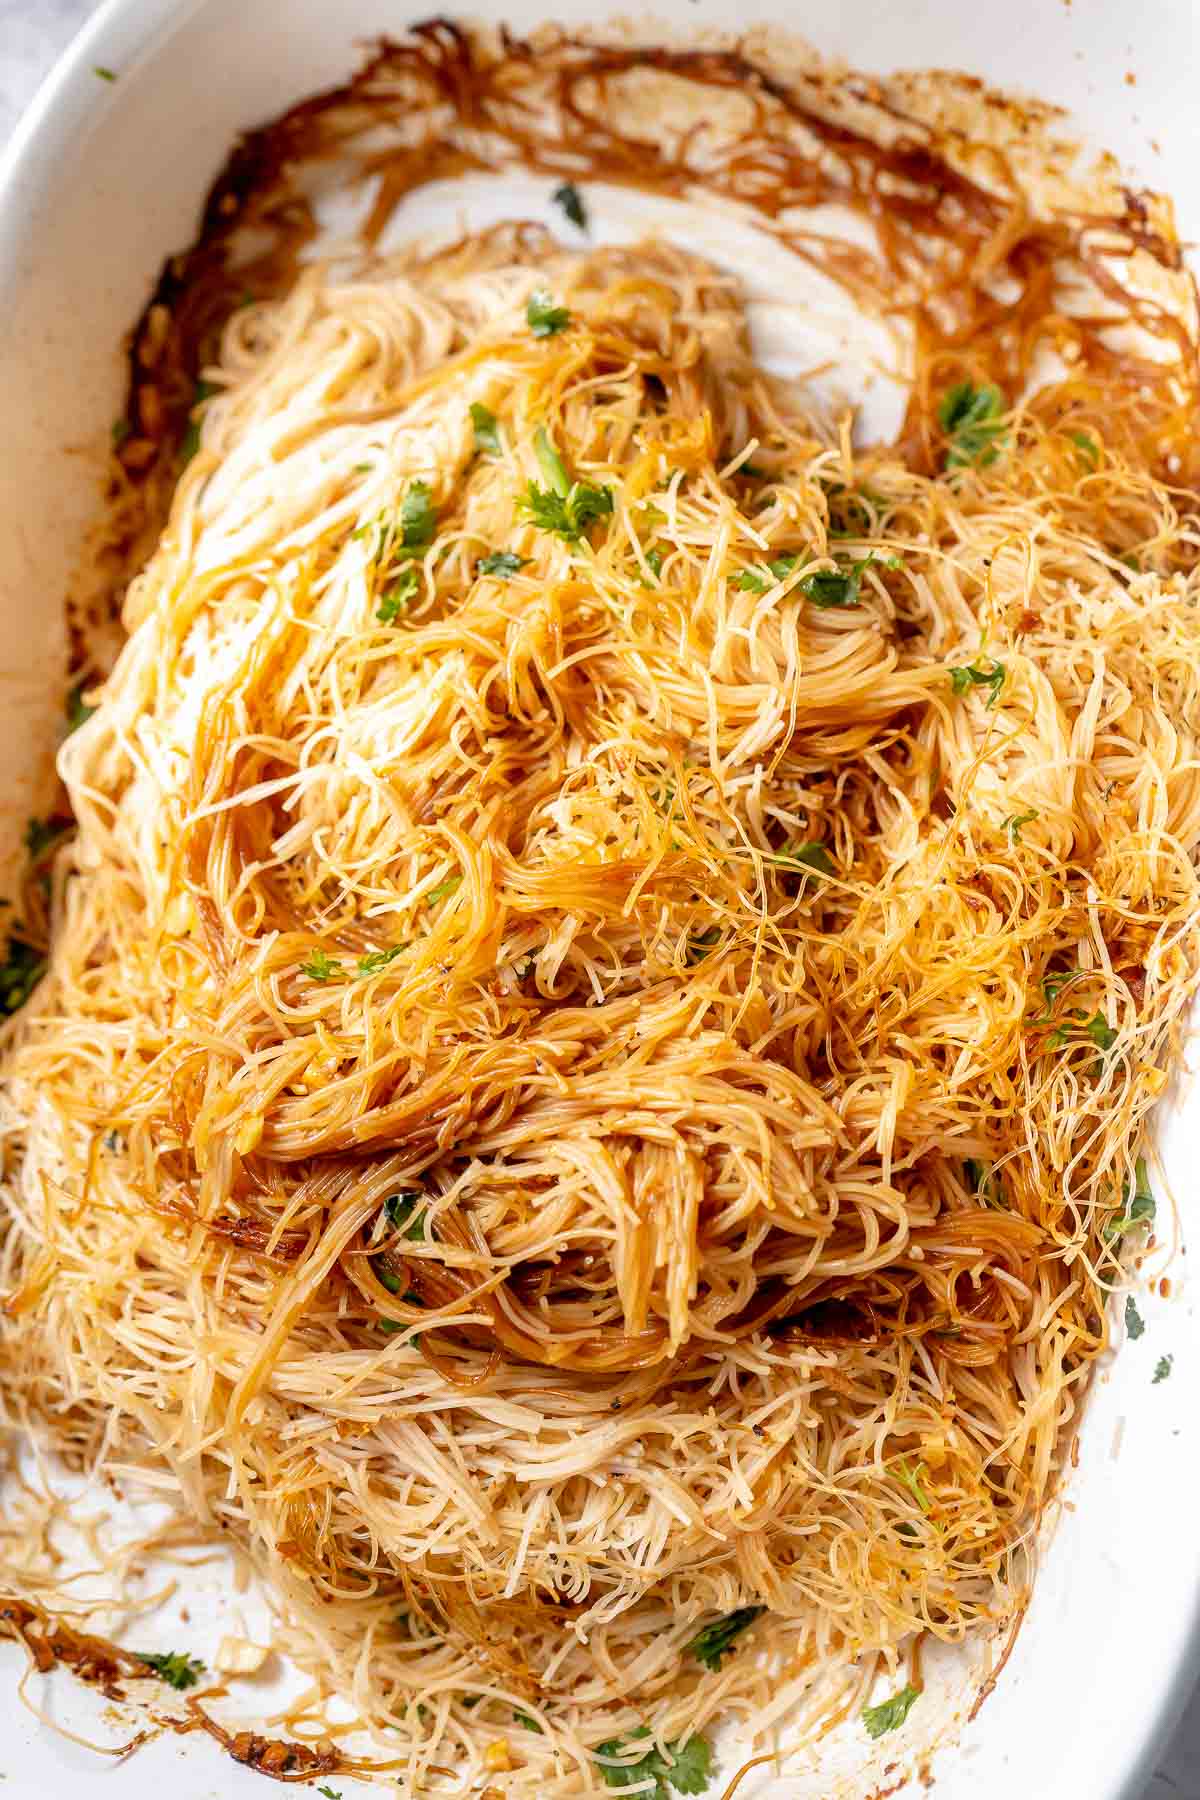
<point x="32" y="32"/>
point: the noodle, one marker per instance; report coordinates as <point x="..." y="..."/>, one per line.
<point x="619" y="947"/>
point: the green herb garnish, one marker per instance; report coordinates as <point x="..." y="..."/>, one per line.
<point x="503" y="564"/>
<point x="20" y="972"/>
<point x="42" y="834"/>
<point x="699" y="943"/>
<point x="717" y="1640"/>
<point x="103" y="73"/>
<point x="760" y="581"/>
<point x="912" y="1481"/>
<point x="396" y="597"/>
<point x="399" y="1210"/>
<point x="443" y="889"/>
<point x="191" y="437"/>
<point x="1087" y="448"/>
<point x="654" y="562"/>
<point x="833" y="588"/>
<point x="321" y="967"/>
<point x="971" y="417"/>
<point x="487" y="432"/>
<point x="568" y="197"/>
<point x="890" y="1714"/>
<point x="1162" y="1369"/>
<point x="811" y="854"/>
<point x="1135" y="1325"/>
<point x="418" y="518"/>
<point x="176" y="1668"/>
<point x="688" y="1771"/>
<point x="78" y="713"/>
<point x="523" y="1718"/>
<point x="378" y="959"/>
<point x="963" y="679"/>
<point x="545" y="319"/>
<point x="121" y="429"/>
<point x="563" y="506"/>
<point x="1012" y="825"/>
<point x="1137" y="1208"/>
<point x="984" y="1181"/>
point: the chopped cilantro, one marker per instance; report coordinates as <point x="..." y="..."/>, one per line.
<point x="20" y="972"/>
<point x="984" y="1181"/>
<point x="443" y="889"/>
<point x="487" y="432"/>
<point x="121" y="429"/>
<point x="699" y="943"/>
<point x="42" y="834"/>
<point x="654" y="562"/>
<point x="503" y="564"/>
<point x="972" y="419"/>
<point x="103" y="73"/>
<point x="78" y="713"/>
<point x="810" y="854"/>
<point x="523" y="1719"/>
<point x="321" y="967"/>
<point x="1057" y="980"/>
<point x="1137" y="1208"/>
<point x="378" y="959"/>
<point x="177" y="1668"/>
<point x="890" y="1714"/>
<point x="563" y="506"/>
<point x="717" y="1640"/>
<point x="760" y="581"/>
<point x="1135" y="1325"/>
<point x="418" y="517"/>
<point x="912" y="1481"/>
<point x="1012" y="825"/>
<point x="1100" y="1032"/>
<point x="688" y="1771"/>
<point x="1162" y="1369"/>
<point x="400" y="1209"/>
<point x="545" y="319"/>
<point x="833" y="587"/>
<point x="395" y="598"/>
<point x="1087" y="447"/>
<point x="191" y="437"/>
<point x="963" y="679"/>
<point x="569" y="198"/>
<point x="329" y="1793"/>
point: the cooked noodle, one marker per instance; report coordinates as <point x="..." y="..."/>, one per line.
<point x="610" y="1093"/>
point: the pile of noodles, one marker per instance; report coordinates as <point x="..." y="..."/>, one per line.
<point x="572" y="1100"/>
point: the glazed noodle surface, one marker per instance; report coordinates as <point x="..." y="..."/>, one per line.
<point x="579" y="1093"/>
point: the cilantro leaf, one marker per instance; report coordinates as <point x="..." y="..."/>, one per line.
<point x="523" y="1718"/>
<point x="564" y="506"/>
<point x="688" y="1772"/>
<point x="191" y="437"/>
<point x="487" y="431"/>
<point x="890" y="1714"/>
<point x="1135" y="1325"/>
<point x="699" y="943"/>
<point x="760" y="581"/>
<point x="833" y="588"/>
<point x="971" y="417"/>
<point x="912" y="1481"/>
<point x="984" y="1181"/>
<point x="175" y="1667"/>
<point x="569" y="198"/>
<point x="378" y="959"/>
<point x="545" y="319"/>
<point x="1012" y="825"/>
<point x="78" y="712"/>
<point x="399" y="1210"/>
<point x="503" y="564"/>
<point x="20" y="972"/>
<point x="717" y="1640"/>
<point x="103" y="73"/>
<point x="329" y="1793"/>
<point x="395" y="599"/>
<point x="654" y="562"/>
<point x="418" y="517"/>
<point x="1138" y="1208"/>
<point x="1100" y="1032"/>
<point x="321" y="967"/>
<point x="963" y="679"/>
<point x="42" y="834"/>
<point x="1087" y="448"/>
<point x="809" y="854"/>
<point x="443" y="889"/>
<point x="1162" y="1369"/>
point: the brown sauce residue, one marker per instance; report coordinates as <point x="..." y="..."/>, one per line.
<point x="980" y="280"/>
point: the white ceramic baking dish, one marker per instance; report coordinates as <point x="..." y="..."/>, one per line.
<point x="100" y="182"/>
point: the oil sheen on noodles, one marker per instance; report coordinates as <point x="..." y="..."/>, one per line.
<point x="603" y="1001"/>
